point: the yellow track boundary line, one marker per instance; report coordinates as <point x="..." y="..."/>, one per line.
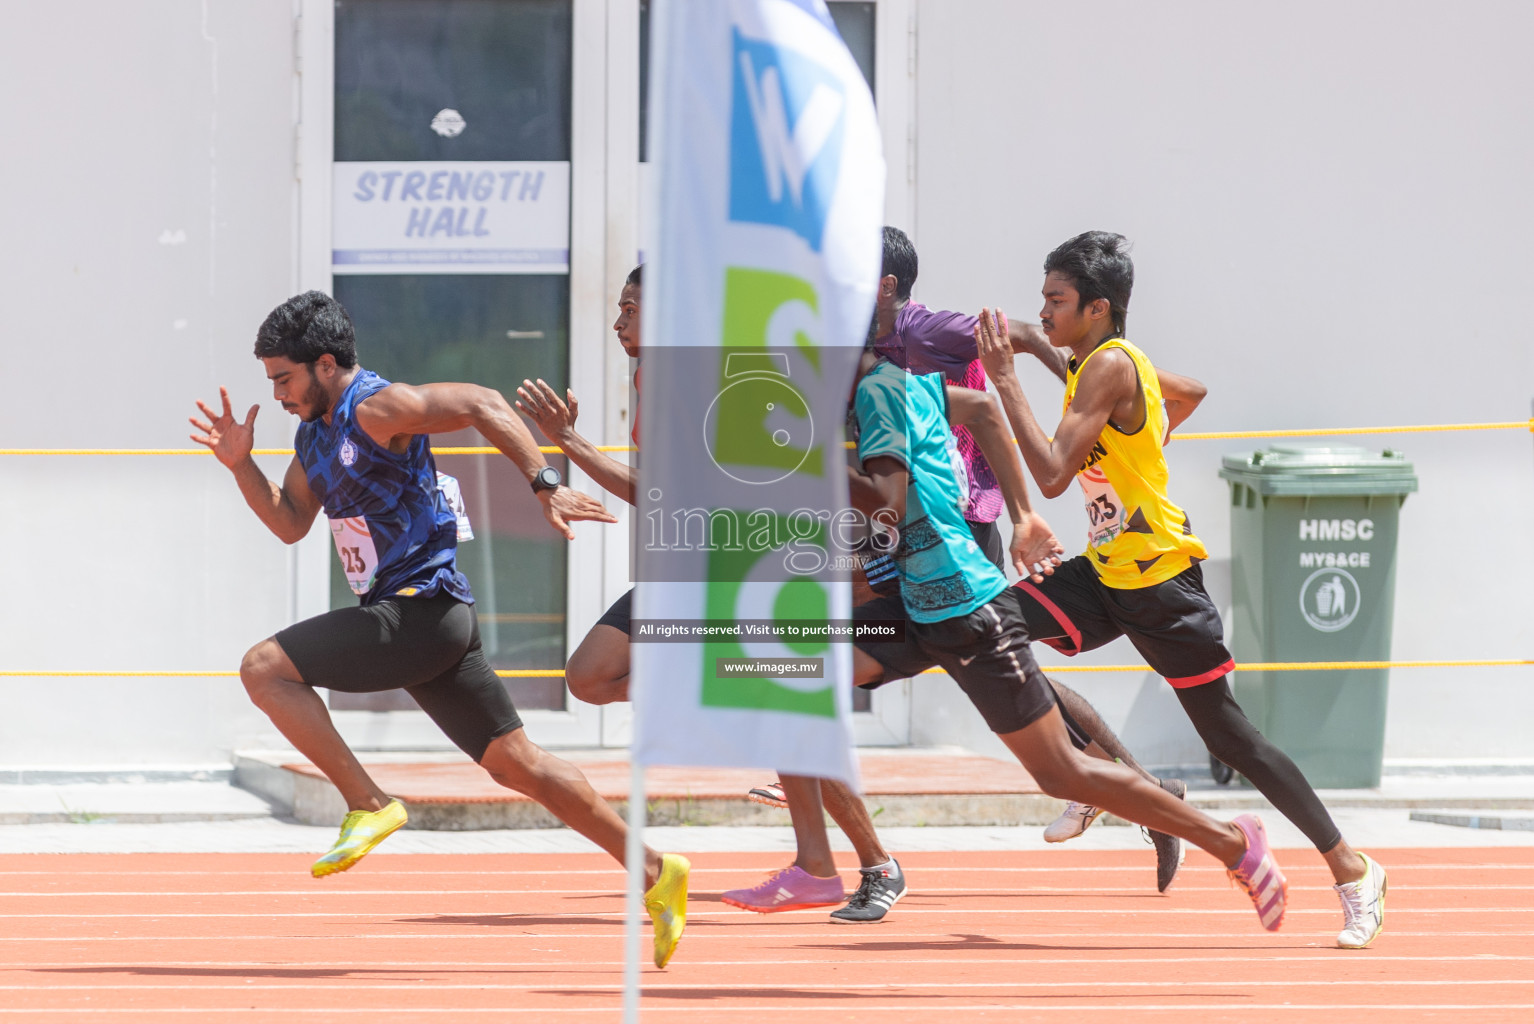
<point x="555" y="673"/>
<point x="1214" y="435"/>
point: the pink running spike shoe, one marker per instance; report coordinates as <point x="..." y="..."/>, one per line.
<point x="1258" y="875"/>
<point x="793" y="888"/>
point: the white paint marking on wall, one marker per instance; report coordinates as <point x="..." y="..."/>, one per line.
<point x="448" y="123"/>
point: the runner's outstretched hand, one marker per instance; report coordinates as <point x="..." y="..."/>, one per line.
<point x="1035" y="550"/>
<point x="562" y="506"/>
<point x="994" y="345"/>
<point x="542" y="404"/>
<point x="228" y="439"/>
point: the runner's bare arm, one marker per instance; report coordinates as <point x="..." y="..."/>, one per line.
<point x="556" y="418"/>
<point x="289" y="510"/>
<point x="394" y="414"/>
<point x="1182" y="395"/>
<point x="1034" y="549"/>
<point x="1030" y="338"/>
<point x="1105" y="382"/>
<point x="879" y="489"/>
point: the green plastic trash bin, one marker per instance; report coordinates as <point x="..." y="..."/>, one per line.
<point x="1313" y="546"/>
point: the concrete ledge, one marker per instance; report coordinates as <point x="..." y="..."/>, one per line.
<point x="122" y="817"/>
<point x="128" y="774"/>
<point x="121" y="803"/>
<point x="452" y="794"/>
<point x="903" y="787"/>
<point x="1485" y="819"/>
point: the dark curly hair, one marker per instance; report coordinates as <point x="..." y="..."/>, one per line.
<point x="1098" y="266"/>
<point x="306" y="327"/>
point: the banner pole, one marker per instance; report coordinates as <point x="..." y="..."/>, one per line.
<point x="633" y="909"/>
<point x="661" y="15"/>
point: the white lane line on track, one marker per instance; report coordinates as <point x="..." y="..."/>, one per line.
<point x="1320" y="956"/>
<point x="477" y="935"/>
<point x="1099" y="988"/>
<point x="1067" y="890"/>
<point x="479" y="912"/>
<point x="1073" y="1007"/>
<point x="1000" y="940"/>
<point x="510" y="917"/>
<point x="764" y="867"/>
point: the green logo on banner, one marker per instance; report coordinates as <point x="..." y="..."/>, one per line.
<point x="796" y="598"/>
<point x="759" y="428"/>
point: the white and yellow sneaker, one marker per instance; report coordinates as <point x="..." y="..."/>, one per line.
<point x="360" y="832"/>
<point x="667" y="904"/>
<point x="1363" y="907"/>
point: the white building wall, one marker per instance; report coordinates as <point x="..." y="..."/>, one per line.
<point x="148" y="201"/>
<point x="1329" y="207"/>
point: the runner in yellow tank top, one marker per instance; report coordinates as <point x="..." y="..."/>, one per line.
<point x="1141" y="577"/>
<point x="1137" y="537"/>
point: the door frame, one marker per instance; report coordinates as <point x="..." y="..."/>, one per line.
<point x="888" y="721"/>
<point x="579" y="725"/>
<point x="605" y="202"/>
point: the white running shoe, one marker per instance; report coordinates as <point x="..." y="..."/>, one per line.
<point x="1363" y="907"/>
<point x="1074" y="820"/>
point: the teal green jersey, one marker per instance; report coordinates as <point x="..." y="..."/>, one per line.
<point x="943" y="572"/>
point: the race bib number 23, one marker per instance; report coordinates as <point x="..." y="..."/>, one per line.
<point x="359" y="559"/>
<point x="1105" y="511"/>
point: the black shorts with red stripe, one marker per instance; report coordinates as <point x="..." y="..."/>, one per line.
<point x="985" y="652"/>
<point x="1174" y="625"/>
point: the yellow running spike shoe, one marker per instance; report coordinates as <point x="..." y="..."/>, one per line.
<point x="360" y="832"/>
<point x="667" y="903"/>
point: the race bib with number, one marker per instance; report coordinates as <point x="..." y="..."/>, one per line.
<point x="1105" y="512"/>
<point x="448" y="485"/>
<point x="359" y="559"/>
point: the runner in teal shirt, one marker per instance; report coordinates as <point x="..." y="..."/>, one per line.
<point x="943" y="572"/>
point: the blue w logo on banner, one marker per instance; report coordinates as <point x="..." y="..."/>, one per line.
<point x="786" y="129"/>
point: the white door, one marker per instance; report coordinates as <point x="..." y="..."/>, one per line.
<point x="880" y="36"/>
<point x="439" y="164"/>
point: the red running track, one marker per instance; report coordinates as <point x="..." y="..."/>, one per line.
<point x="1047" y="936"/>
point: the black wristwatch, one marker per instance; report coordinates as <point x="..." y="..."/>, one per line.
<point x="548" y="479"/>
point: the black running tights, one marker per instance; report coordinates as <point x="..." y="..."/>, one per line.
<point x="1228" y="734"/>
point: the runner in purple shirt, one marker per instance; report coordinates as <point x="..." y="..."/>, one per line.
<point x="925" y="340"/>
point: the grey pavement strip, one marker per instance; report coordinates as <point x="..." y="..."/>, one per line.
<point x="1484" y="820"/>
<point x="1367" y="828"/>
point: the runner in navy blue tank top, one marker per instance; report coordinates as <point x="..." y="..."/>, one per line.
<point x="363" y="454"/>
<point x="391" y="499"/>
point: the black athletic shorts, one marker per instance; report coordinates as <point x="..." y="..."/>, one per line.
<point x="1174" y="625"/>
<point x="986" y="652"/>
<point x="988" y="536"/>
<point x="427" y="646"/>
<point x="620" y="614"/>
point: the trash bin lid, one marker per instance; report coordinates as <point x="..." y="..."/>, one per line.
<point x="1332" y="469"/>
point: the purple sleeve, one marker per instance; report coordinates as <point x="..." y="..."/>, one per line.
<point x="940" y="341"/>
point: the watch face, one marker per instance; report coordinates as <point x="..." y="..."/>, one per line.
<point x="547" y="478"/>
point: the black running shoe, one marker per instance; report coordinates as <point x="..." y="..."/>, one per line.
<point x="1169" y="850"/>
<point x="874" y="897"/>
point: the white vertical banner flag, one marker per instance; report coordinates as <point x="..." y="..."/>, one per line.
<point x="757" y="300"/>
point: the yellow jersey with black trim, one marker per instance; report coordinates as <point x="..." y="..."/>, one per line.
<point x="1136" y="536"/>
